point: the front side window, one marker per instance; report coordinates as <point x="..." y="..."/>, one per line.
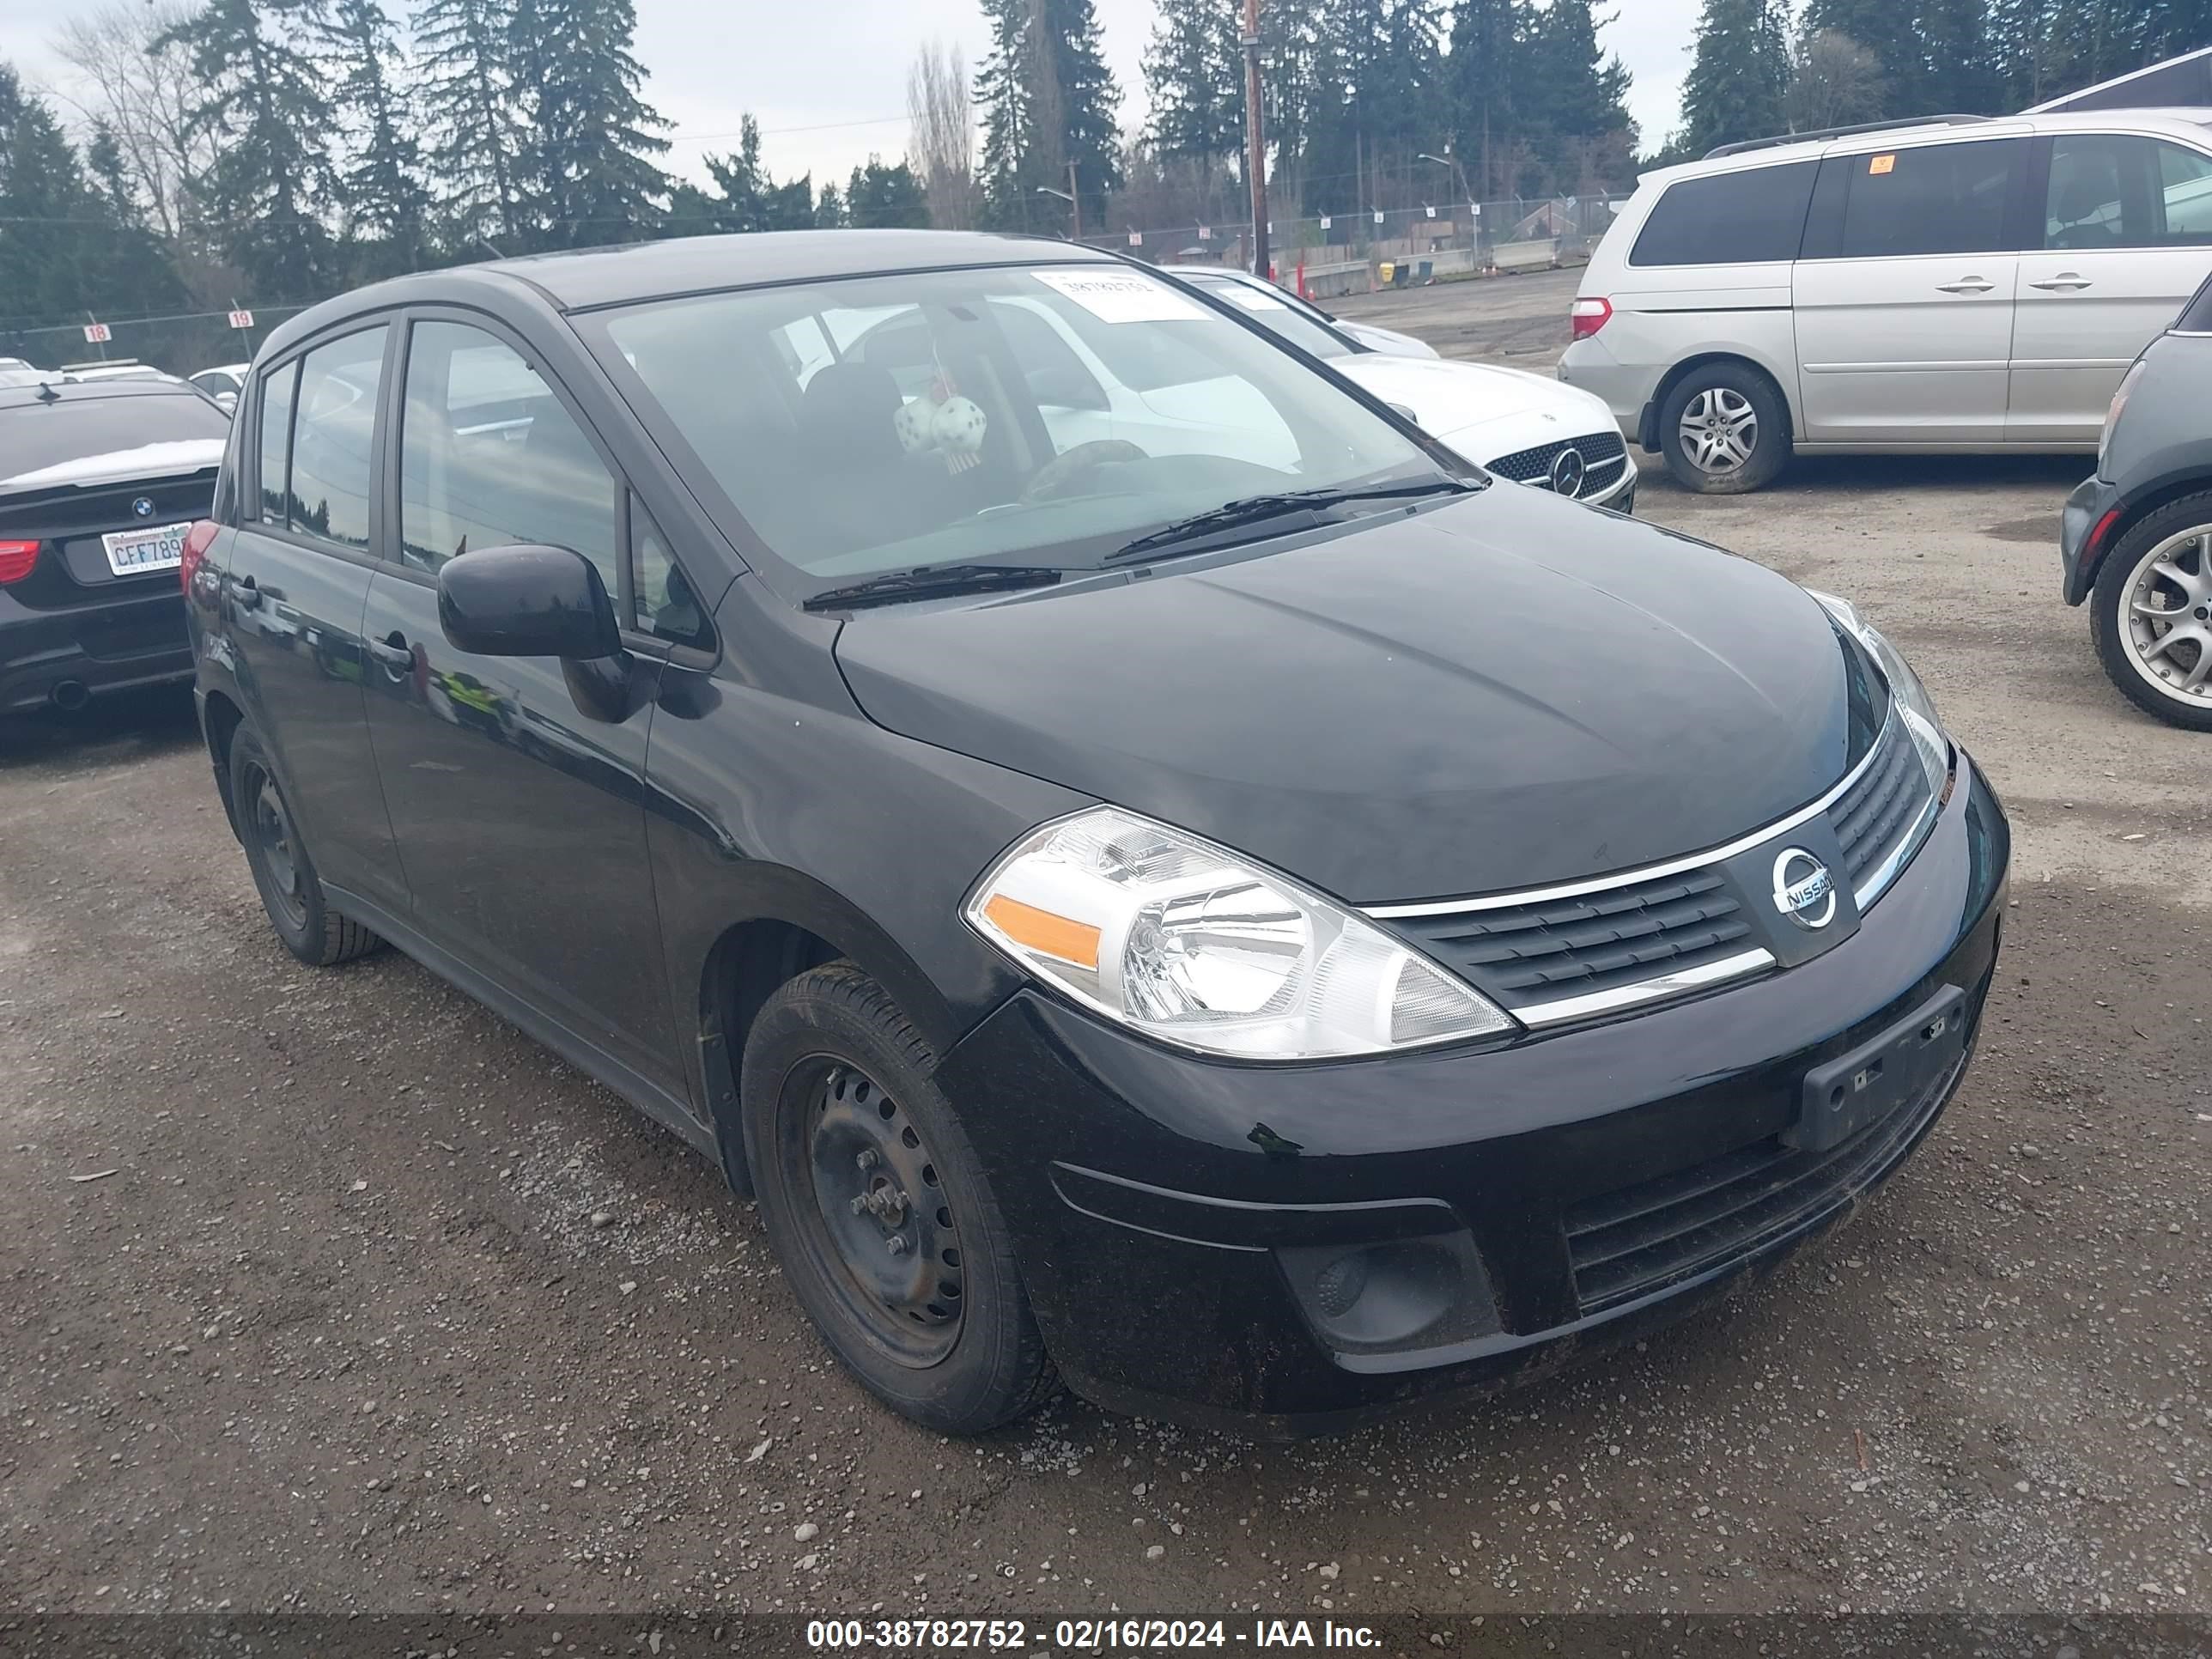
<point x="334" y="425"/>
<point x="664" y="602"/>
<point x="490" y="456"/>
<point x="2118" y="190"/>
<point x="1043" y="414"/>
<point x="1755" y="216"/>
<point x="1935" y="199"/>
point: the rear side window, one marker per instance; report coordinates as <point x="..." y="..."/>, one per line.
<point x="277" y="395"/>
<point x="1937" y="198"/>
<point x="1748" y="217"/>
<point x="2197" y="315"/>
<point x="2116" y="189"/>
<point x="333" y="428"/>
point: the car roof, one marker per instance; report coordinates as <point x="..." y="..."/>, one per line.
<point x="2189" y="124"/>
<point x="691" y="264"/>
<point x="86" y="392"/>
<point x="236" y="371"/>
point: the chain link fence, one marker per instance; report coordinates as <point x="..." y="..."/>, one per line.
<point x="182" y="343"/>
<point x="1327" y="255"/>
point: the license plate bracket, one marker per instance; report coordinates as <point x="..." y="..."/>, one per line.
<point x="1865" y="1085"/>
<point x="136" y="552"/>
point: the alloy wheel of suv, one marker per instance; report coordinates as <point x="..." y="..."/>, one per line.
<point x="2152" y="613"/>
<point x="1723" y="431"/>
<point x="877" y="1207"/>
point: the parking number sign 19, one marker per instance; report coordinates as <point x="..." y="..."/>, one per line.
<point x="1136" y="238"/>
<point x="242" y="319"/>
<point x="96" y="334"/>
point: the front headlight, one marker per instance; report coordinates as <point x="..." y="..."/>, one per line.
<point x="1183" y="940"/>
<point x="1914" y="706"/>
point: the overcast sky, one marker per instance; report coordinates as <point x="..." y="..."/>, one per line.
<point x="827" y="78"/>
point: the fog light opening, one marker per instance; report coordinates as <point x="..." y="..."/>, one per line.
<point x="1395" y="1293"/>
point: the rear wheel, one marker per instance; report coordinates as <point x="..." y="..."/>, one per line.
<point x="2151" y="614"/>
<point x="876" y="1206"/>
<point x="290" y="891"/>
<point x="1725" y="430"/>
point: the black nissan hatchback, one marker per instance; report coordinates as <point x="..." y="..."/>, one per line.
<point x="1150" y="870"/>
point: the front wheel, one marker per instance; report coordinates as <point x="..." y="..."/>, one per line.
<point x="2151" y="613"/>
<point x="1725" y="430"/>
<point x="876" y="1205"/>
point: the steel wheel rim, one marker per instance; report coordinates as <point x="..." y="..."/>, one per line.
<point x="2166" y="623"/>
<point x="1719" y="430"/>
<point x="879" y="1222"/>
<point x="275" y="838"/>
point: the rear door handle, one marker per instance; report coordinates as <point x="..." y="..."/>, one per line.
<point x="2067" y="280"/>
<point x="1967" y="285"/>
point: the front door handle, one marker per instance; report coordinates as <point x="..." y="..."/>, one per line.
<point x="392" y="650"/>
<point x="2066" y="280"/>
<point x="1967" y="285"/>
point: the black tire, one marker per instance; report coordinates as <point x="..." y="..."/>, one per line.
<point x="1735" y="385"/>
<point x="831" y="1065"/>
<point x="290" y="891"/>
<point x="2113" y="623"/>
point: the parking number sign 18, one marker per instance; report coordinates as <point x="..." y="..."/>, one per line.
<point x="242" y="319"/>
<point x="96" y="334"/>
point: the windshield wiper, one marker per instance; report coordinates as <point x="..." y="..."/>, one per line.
<point x="1256" y="509"/>
<point x="932" y="581"/>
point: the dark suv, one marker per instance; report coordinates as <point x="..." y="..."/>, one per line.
<point x="1207" y="893"/>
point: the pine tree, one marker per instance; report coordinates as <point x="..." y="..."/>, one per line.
<point x="1739" y="78"/>
<point x="1574" y="100"/>
<point x="466" y="100"/>
<point x="877" y="196"/>
<point x="1885" y="28"/>
<point x="1487" y="41"/>
<point x="1047" y="101"/>
<point x="744" y="198"/>
<point x="127" y="266"/>
<point x="379" y="190"/>
<point x="1959" y="71"/>
<point x="41" y="194"/>
<point x="1194" y="75"/>
<point x="587" y="167"/>
<point x="263" y="101"/>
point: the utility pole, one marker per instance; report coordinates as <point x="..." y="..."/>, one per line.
<point x="1256" y="162"/>
<point x="1075" y="202"/>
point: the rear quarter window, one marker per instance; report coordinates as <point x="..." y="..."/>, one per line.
<point x="2197" y="315"/>
<point x="1751" y="216"/>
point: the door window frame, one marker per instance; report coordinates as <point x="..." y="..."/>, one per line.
<point x="250" y="502"/>
<point x="390" y="436"/>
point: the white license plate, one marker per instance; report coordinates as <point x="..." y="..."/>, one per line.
<point x="134" y="552"/>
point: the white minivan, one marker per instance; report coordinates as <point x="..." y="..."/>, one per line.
<point x="1956" y="285"/>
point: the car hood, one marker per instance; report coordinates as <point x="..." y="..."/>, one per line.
<point x="1385" y="339"/>
<point x="1502" y="692"/>
<point x="1479" y="408"/>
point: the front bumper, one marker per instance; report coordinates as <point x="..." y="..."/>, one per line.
<point x="111" y="646"/>
<point x="1182" y="1222"/>
<point x="2080" y="549"/>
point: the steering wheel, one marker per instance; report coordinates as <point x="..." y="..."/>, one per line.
<point x="1057" y="477"/>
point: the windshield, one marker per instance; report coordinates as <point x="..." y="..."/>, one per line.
<point x="35" y="435"/>
<point x="1278" y="316"/>
<point x="1039" y="416"/>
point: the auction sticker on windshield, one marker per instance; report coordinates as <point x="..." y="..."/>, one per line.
<point x="134" y="552"/>
<point x="1120" y="296"/>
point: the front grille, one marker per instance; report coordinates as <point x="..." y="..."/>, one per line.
<point x="1637" y="1240"/>
<point x="1524" y="953"/>
<point x="1883" y="804"/>
<point x="1604" y="454"/>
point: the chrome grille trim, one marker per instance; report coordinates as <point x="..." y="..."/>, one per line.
<point x="1648" y="990"/>
<point x="1649" y="871"/>
<point x="1891" y="864"/>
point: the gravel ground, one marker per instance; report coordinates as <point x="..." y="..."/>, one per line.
<point x="330" y="1292"/>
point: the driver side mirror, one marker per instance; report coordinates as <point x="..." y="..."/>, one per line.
<point x="528" y="600"/>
